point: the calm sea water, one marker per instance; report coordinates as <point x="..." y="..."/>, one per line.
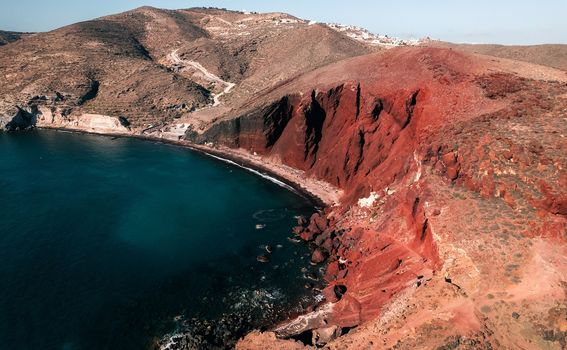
<point x="116" y="243"/>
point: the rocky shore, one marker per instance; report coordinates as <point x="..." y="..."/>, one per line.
<point x="320" y="193"/>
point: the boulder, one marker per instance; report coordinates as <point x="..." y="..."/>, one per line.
<point x="297" y="230"/>
<point x="322" y="237"/>
<point x="332" y="271"/>
<point x="318" y="256"/>
<point x="346" y="312"/>
<point x="322" y="336"/>
<point x="329" y="294"/>
<point x="449" y="159"/>
<point x="327" y="245"/>
<point x="306" y="235"/>
<point x="318" y="223"/>
<point x="452" y="172"/>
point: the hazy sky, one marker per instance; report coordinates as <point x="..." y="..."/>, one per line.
<point x="478" y="21"/>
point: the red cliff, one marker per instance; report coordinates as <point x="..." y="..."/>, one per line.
<point x="449" y="163"/>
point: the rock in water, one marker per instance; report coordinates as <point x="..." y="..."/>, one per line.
<point x="262" y="258"/>
<point x="318" y="256"/>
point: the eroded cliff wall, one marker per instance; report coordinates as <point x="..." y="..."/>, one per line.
<point x="411" y="156"/>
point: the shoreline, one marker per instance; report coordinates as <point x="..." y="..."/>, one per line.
<point x="319" y="193"/>
<point x="315" y="202"/>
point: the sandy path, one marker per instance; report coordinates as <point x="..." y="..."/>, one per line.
<point x="175" y="59"/>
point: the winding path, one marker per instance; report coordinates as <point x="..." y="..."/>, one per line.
<point x="175" y="59"/>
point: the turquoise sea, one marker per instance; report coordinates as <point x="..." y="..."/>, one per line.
<point x="118" y="243"/>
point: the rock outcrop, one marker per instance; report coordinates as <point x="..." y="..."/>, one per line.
<point x="31" y="117"/>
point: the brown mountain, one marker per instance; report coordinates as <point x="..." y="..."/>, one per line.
<point x="442" y="171"/>
<point x="551" y="55"/>
<point x="152" y="65"/>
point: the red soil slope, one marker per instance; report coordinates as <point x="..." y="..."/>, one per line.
<point x="551" y="55"/>
<point x="460" y="161"/>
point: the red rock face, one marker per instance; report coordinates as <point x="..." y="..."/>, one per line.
<point x="404" y="127"/>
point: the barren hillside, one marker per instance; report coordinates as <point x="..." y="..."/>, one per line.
<point x="151" y="66"/>
<point x="551" y="55"/>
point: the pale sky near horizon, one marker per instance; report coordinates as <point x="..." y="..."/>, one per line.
<point x="479" y="21"/>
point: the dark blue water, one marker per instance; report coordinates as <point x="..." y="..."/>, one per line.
<point x="116" y="243"/>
